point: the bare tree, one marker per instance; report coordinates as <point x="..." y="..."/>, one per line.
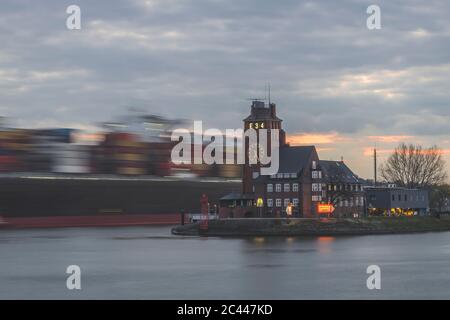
<point x="412" y="166"/>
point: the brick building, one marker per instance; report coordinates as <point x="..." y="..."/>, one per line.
<point x="302" y="182"/>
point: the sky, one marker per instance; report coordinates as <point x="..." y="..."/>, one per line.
<point x="337" y="84"/>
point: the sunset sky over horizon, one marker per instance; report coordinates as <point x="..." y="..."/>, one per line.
<point x="337" y="85"/>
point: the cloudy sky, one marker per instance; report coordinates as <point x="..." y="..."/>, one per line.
<point x="337" y="84"/>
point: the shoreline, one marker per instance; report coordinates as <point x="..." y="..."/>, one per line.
<point x="315" y="227"/>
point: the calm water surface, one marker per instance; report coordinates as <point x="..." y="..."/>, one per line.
<point x="150" y="263"/>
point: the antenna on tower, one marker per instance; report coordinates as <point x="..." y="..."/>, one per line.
<point x="375" y="165"/>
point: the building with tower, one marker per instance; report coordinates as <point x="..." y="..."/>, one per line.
<point x="301" y="183"/>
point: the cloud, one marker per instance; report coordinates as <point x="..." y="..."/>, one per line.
<point x="334" y="81"/>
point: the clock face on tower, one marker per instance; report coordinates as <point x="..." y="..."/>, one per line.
<point x="256" y="125"/>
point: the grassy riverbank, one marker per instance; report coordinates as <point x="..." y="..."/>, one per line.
<point x="315" y="227"/>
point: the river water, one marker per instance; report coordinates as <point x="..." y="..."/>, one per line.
<point x="150" y="263"/>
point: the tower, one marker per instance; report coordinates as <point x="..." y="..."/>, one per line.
<point x="261" y="117"/>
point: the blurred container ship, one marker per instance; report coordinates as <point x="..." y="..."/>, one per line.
<point x="119" y="176"/>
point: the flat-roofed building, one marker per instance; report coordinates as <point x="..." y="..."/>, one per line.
<point x="396" y="201"/>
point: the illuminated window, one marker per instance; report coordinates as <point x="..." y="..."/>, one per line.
<point x="316" y="187"/>
<point x="278" y="187"/>
<point x="295" y="202"/>
<point x="286" y="202"/>
<point x="314" y="165"/>
<point x="287" y="187"/>
<point x="270" y="203"/>
<point x="270" y="187"/>
<point x="295" y="187"/>
<point x="278" y="202"/>
<point x="315" y="174"/>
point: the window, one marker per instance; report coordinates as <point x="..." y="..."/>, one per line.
<point x="255" y="174"/>
<point x="361" y="201"/>
<point x="295" y="202"/>
<point x="286" y="175"/>
<point x="278" y="202"/>
<point x="279" y="175"/>
<point x="316" y="187"/>
<point x="273" y="176"/>
<point x="270" y="203"/>
<point x="286" y="202"/>
<point x="295" y="187"/>
<point x="287" y="187"/>
<point x="293" y="175"/>
<point x="399" y="197"/>
<point x="249" y="203"/>
<point x="314" y="165"/>
<point x="393" y="197"/>
<point x="406" y="197"/>
<point x="278" y="187"/>
<point x="345" y="203"/>
<point x="316" y="174"/>
<point x="357" y="202"/>
<point x="316" y="198"/>
<point x="270" y="187"/>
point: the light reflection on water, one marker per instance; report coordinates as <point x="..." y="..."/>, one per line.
<point x="139" y="263"/>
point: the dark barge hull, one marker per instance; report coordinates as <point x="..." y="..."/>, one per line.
<point x="72" y="201"/>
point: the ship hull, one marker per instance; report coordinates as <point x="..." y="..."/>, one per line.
<point x="75" y="201"/>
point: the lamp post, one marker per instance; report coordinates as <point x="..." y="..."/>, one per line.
<point x="259" y="205"/>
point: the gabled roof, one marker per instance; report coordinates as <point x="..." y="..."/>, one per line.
<point x="337" y="171"/>
<point x="294" y="159"/>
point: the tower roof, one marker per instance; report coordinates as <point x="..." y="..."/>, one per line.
<point x="259" y="111"/>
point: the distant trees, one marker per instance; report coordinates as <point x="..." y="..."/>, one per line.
<point x="412" y="166"/>
<point x="439" y="198"/>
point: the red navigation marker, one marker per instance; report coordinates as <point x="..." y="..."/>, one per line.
<point x="325" y="208"/>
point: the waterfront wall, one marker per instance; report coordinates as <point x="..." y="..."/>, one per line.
<point x="315" y="227"/>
